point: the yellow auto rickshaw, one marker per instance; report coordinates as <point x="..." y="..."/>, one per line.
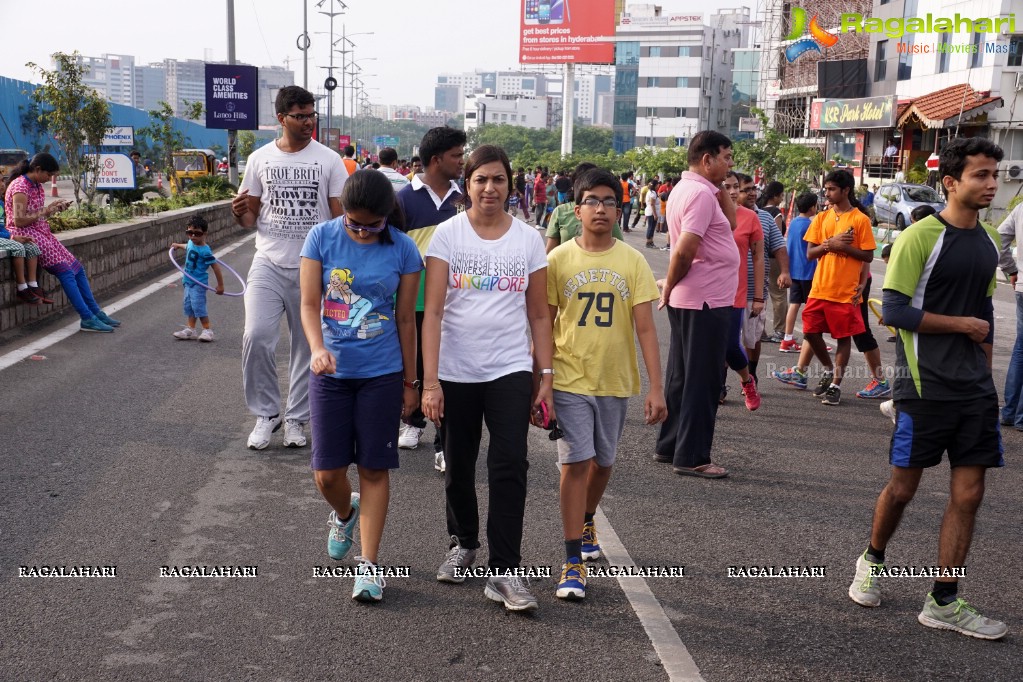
<point x="190" y="164"/>
<point x="9" y="158"/>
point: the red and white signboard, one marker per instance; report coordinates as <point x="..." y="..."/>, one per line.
<point x="559" y="31"/>
<point x="932" y="162"/>
<point x="116" y="171"/>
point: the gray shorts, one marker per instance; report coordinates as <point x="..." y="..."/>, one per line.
<point x="592" y="425"/>
<point x="752" y="327"/>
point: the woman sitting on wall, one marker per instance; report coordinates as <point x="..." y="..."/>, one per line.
<point x="25" y="205"/>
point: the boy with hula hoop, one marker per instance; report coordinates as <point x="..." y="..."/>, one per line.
<point x="199" y="259"/>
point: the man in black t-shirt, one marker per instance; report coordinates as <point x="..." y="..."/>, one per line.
<point x="937" y="293"/>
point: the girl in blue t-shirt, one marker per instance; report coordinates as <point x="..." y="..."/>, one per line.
<point x="359" y="277"/>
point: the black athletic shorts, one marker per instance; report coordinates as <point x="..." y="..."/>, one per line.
<point x="968" y="430"/>
<point x="800" y="290"/>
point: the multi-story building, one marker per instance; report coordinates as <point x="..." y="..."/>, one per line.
<point x="529" y="112"/>
<point x="150" y="86"/>
<point x="454" y="88"/>
<point x="186" y="81"/>
<point x="112" y="76"/>
<point x="673" y="74"/>
<point x="271" y="79"/>
<point x="745" y="84"/>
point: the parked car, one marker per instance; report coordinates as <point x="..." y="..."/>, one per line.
<point x="896" y="200"/>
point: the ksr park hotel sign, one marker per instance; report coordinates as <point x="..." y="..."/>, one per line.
<point x="896" y="28"/>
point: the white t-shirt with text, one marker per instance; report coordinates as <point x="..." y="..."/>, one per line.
<point x="485" y="331"/>
<point x="293" y="189"/>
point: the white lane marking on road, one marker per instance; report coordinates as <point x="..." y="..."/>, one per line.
<point x="53" y="338"/>
<point x="674" y="655"/>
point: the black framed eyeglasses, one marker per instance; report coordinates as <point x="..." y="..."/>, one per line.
<point x="194" y="233"/>
<point x="302" y="118"/>
<point x="594" y="202"/>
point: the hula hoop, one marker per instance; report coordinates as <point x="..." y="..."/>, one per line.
<point x="229" y="269"/>
<point x="875" y="307"/>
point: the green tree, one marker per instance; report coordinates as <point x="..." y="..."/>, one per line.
<point x="246" y="143"/>
<point x="164" y="135"/>
<point x="74" y="114"/>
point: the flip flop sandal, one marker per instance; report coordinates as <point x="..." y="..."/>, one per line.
<point x="703" y="471"/>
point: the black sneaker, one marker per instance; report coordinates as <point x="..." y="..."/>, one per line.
<point x="26" y="296"/>
<point x="832" y="396"/>
<point x="825" y="382"/>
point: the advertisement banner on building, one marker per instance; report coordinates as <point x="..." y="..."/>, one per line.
<point x="119" y="136"/>
<point x="343" y="141"/>
<point x="853" y="114"/>
<point x="231" y="97"/>
<point x="559" y="31"/>
<point x="116" y="171"/>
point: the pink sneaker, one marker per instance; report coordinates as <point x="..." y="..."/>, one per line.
<point x="750" y="393"/>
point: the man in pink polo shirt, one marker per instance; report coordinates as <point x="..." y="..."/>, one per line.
<point x="699" y="289"/>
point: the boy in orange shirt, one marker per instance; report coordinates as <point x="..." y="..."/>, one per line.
<point x="841" y="240"/>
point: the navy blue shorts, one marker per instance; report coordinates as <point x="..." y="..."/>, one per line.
<point x="355" y="421"/>
<point x="194" y="303"/>
<point x="800" y="290"/>
<point x="968" y="430"/>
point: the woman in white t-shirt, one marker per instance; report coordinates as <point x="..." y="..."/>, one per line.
<point x="486" y="295"/>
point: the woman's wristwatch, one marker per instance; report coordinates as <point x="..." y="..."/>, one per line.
<point x="546" y="370"/>
<point x="415" y="383"/>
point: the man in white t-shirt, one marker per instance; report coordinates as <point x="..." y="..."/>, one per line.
<point x="388" y="166"/>
<point x="290" y="185"/>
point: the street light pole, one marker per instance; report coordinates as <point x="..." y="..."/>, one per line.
<point x="232" y="135"/>
<point x="330" y="73"/>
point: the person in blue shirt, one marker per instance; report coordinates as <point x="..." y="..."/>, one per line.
<point x="199" y="259"/>
<point x="359" y="278"/>
<point x="800" y="269"/>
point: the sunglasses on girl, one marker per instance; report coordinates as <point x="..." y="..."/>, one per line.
<point x="373" y="229"/>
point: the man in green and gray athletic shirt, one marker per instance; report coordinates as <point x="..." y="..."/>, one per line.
<point x="937" y="292"/>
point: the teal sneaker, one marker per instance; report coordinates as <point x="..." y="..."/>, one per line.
<point x="864" y="589"/>
<point x="572" y="585"/>
<point x="93" y="324"/>
<point x="591" y="547"/>
<point x="369" y="586"/>
<point x="960" y="617"/>
<point x="339" y="542"/>
<point x="876" y="389"/>
<point x="792" y="377"/>
<point x="107" y="320"/>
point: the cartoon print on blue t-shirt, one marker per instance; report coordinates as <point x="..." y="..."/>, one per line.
<point x="344" y="310"/>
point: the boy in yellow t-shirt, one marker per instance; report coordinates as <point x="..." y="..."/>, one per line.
<point x="599" y="290"/>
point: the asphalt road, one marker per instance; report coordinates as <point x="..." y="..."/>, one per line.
<point x="128" y="450"/>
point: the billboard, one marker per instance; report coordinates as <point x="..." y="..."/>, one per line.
<point x="853" y="114"/>
<point x="559" y="31"/>
<point x="231" y="97"/>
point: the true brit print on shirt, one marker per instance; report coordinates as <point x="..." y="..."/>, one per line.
<point x="584" y="277"/>
<point x="292" y="193"/>
<point x="346" y="314"/>
<point x="488" y="271"/>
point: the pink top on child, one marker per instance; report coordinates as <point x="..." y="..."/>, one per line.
<point x="53" y="252"/>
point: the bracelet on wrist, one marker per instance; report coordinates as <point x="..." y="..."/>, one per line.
<point x="434" y="387"/>
<point x="758" y="300"/>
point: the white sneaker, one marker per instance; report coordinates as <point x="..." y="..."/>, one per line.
<point x="260" y="436"/>
<point x="438" y="462"/>
<point x="888" y="409"/>
<point x="294" y="434"/>
<point x="408" y="436"/>
<point x="207" y="335"/>
<point x="186" y="334"/>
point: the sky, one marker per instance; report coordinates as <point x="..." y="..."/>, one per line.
<point x="412" y="41"/>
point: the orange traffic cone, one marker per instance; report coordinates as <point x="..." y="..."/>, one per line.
<point x="159" y="181"/>
<point x="53" y="186"/>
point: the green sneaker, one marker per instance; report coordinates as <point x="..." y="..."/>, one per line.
<point x="864" y="589"/>
<point x="961" y="617"/>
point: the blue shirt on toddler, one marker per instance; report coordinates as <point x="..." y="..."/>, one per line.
<point x="198" y="260"/>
